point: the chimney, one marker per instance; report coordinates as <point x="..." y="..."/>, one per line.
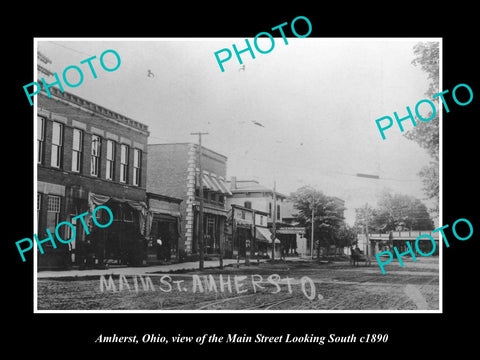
<point x="233" y="183"/>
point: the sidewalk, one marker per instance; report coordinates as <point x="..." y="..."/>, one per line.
<point x="145" y="269"/>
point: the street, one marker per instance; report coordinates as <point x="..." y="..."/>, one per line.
<point x="291" y="285"/>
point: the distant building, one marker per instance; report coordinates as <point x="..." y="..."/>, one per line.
<point x="250" y="194"/>
<point x="174" y="171"/>
<point x="248" y="235"/>
<point x="88" y="156"/>
<point x="291" y="234"/>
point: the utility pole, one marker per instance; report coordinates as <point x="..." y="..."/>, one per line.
<point x="200" y="217"/>
<point x="376" y="177"/>
<point x="274" y="224"/>
<point x="366" y="233"/>
<point x="313" y="216"/>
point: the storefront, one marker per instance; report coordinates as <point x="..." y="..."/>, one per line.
<point x="163" y="221"/>
<point x="242" y="222"/>
<point x="123" y="242"/>
<point x="213" y="229"/>
<point x="292" y="239"/>
<point x="264" y="243"/>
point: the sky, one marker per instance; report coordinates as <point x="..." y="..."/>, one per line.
<point x="316" y="99"/>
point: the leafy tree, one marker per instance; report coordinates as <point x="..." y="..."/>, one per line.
<point x="329" y="221"/>
<point x="395" y="212"/>
<point x="426" y="135"/>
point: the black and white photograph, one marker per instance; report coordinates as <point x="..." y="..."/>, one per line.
<point x="235" y="181"/>
<point x="171" y="177"/>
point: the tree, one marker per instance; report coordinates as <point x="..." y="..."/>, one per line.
<point x="426" y="135"/>
<point x="329" y="221"/>
<point x="395" y="212"/>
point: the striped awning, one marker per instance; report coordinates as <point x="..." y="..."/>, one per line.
<point x="207" y="182"/>
<point x="264" y="235"/>
<point x="212" y="183"/>
<point x="223" y="186"/>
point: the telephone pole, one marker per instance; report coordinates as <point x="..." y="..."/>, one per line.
<point x="313" y="217"/>
<point x="274" y="224"/>
<point x="366" y="232"/>
<point x="200" y="216"/>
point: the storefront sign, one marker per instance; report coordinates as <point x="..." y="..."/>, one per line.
<point x="291" y="230"/>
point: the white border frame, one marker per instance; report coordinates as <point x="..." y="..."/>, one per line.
<point x="35" y="174"/>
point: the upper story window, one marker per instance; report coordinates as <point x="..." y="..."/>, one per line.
<point x="95" y="155"/>
<point x="57" y="145"/>
<point x="124" y="150"/>
<point x="110" y="165"/>
<point x="77" y="147"/>
<point x="247" y="204"/>
<point x="278" y="212"/>
<point x="40" y="138"/>
<point x="137" y="166"/>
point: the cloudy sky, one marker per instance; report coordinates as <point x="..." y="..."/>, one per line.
<point x="317" y="100"/>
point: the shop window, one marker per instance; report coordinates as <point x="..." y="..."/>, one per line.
<point x="53" y="212"/>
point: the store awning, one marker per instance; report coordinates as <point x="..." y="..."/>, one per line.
<point x="211" y="210"/>
<point x="223" y="186"/>
<point x="95" y="200"/>
<point x="155" y="210"/>
<point x="213" y="183"/>
<point x="264" y="235"/>
<point x="207" y="183"/>
<point x="217" y="184"/>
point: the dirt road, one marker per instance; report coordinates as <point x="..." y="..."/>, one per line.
<point x="299" y="285"/>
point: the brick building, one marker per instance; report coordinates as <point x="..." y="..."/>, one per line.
<point x="173" y="170"/>
<point x="88" y="156"/>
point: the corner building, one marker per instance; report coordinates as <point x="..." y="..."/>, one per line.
<point x="173" y="170"/>
<point x="89" y="156"/>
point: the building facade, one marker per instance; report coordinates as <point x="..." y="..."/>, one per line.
<point x="290" y="233"/>
<point x="248" y="235"/>
<point x="174" y="170"/>
<point x="250" y="194"/>
<point x="88" y="156"/>
<point x="163" y="228"/>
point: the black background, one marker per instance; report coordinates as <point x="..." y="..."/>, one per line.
<point x="64" y="335"/>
